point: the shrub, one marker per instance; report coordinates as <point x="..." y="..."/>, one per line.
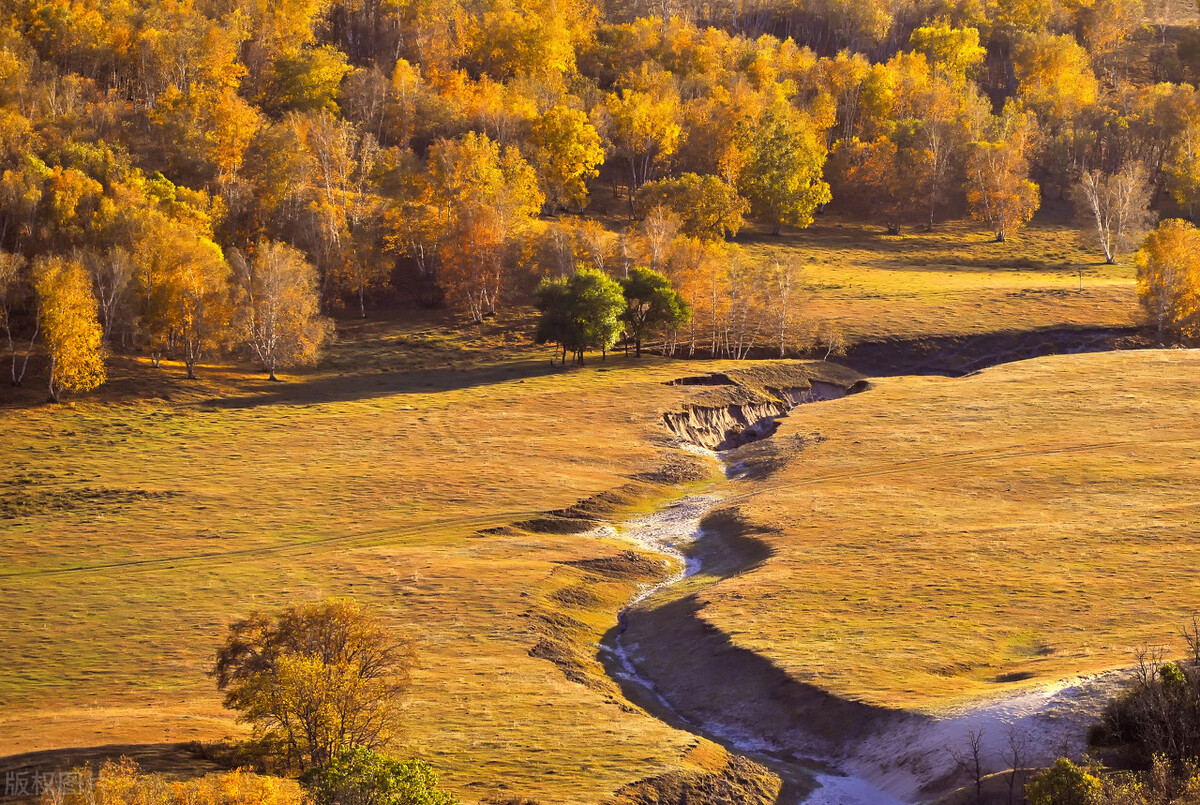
<point x="1064" y="783"/>
<point x="121" y="782"/>
<point x="363" y="777"/>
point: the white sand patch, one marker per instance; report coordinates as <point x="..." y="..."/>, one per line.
<point x="1049" y="721"/>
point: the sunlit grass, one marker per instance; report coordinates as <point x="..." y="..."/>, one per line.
<point x="135" y="531"/>
<point x="952" y="281"/>
<point x="959" y="537"/>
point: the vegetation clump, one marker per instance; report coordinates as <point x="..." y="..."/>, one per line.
<point x="359" y="776"/>
<point x="1169" y="279"/>
<point x="122" y="782"/>
<point x="315" y="679"/>
<point x="580" y="312"/>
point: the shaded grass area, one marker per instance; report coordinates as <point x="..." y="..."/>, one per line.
<point x="399" y="488"/>
<point x="709" y="677"/>
<point x="940" y="539"/>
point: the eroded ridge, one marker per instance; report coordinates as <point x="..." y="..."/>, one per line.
<point x="745" y="405"/>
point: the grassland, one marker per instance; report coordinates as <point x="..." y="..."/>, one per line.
<point x="135" y="530"/>
<point x="952" y="281"/>
<point x="935" y="540"/>
<point x="137" y="522"/>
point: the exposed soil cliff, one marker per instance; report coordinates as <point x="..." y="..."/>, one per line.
<point x="745" y="405"/>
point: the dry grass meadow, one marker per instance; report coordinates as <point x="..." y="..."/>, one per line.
<point x="135" y="531"/>
<point x="953" y="281"/>
<point x="1027" y="522"/>
<point x="936" y="539"/>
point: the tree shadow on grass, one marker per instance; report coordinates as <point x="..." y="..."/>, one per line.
<point x="692" y="676"/>
<point x="357" y="386"/>
<point x="180" y="760"/>
<point x="363" y="386"/>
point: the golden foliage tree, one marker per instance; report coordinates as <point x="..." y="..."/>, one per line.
<point x="567" y="152"/>
<point x="956" y="51"/>
<point x="1183" y="165"/>
<point x="1054" y="75"/>
<point x="999" y="191"/>
<point x="277" y="306"/>
<point x="643" y="121"/>
<point x="1168" y="278"/>
<point x="707" y="207"/>
<point x="892" y="178"/>
<point x="486" y="198"/>
<point x="184" y="282"/>
<point x="316" y="678"/>
<point x="70" y="325"/>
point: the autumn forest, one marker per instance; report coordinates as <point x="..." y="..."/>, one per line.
<point x="184" y="178"/>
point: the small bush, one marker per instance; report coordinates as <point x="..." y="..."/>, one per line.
<point x="362" y="777"/>
<point x="1064" y="783"/>
<point x="123" y="783"/>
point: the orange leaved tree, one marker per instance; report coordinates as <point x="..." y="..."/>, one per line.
<point x="70" y="325"/>
<point x="1169" y="278"/>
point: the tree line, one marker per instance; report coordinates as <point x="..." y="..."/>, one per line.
<point x="439" y="151"/>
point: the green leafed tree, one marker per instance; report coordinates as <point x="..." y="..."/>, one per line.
<point x="580" y="312"/>
<point x="361" y="776"/>
<point x="553" y="300"/>
<point x="781" y="176"/>
<point x="650" y="304"/>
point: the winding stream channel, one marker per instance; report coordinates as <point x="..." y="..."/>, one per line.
<point x="899" y="759"/>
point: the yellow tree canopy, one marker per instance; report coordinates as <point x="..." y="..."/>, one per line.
<point x="70" y="325"/>
<point x="1169" y="278"/>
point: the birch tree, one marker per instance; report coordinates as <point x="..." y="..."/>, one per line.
<point x="278" y="307"/>
<point x="485" y="198"/>
<point x="1116" y="205"/>
<point x="112" y="277"/>
<point x="70" y="325"/>
<point x="15" y="294"/>
<point x="999" y="191"/>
